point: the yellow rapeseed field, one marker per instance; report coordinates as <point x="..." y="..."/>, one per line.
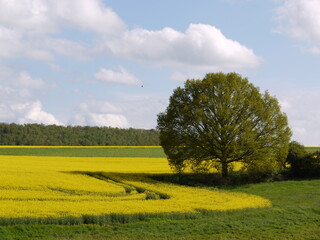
<point x="61" y="187"/>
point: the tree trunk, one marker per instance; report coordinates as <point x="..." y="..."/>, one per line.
<point x="224" y="168"/>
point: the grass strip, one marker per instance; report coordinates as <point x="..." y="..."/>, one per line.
<point x="136" y="152"/>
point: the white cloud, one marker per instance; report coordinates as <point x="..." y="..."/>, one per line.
<point x="25" y="80"/>
<point x="10" y="42"/>
<point x="183" y="76"/>
<point x="14" y="43"/>
<point x="55" y="67"/>
<point x="122" y="76"/>
<point x="301" y="108"/>
<point x="31" y="15"/>
<point x="31" y="28"/>
<point x="142" y="109"/>
<point x="68" y="48"/>
<point x="49" y="16"/>
<point x="32" y="52"/>
<point x="9" y="95"/>
<point x="201" y="46"/>
<point x="99" y="113"/>
<point x="35" y="29"/>
<point x="26" y="112"/>
<point x="300" y="19"/>
<point x="19" y="80"/>
<point x="18" y="97"/>
<point x="237" y="1"/>
<point x="98" y="106"/>
<point x="89" y="15"/>
<point x="32" y="112"/>
<point x="5" y="112"/>
<point x="46" y="29"/>
<point x="110" y="120"/>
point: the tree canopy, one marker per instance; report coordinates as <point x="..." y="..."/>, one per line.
<point x="222" y="119"/>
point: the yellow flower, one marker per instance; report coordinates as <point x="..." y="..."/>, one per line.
<point x="62" y="187"/>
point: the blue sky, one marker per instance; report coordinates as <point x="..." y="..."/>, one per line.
<point x="83" y="62"/>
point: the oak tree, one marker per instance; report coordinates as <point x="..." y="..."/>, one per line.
<point x="222" y="119"/>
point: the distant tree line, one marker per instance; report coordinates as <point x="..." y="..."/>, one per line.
<point x="53" y="135"/>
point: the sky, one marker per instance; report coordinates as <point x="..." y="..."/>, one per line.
<point x="116" y="62"/>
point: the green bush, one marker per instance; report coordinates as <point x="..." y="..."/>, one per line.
<point x="296" y="152"/>
<point x="301" y="163"/>
<point x="308" y="166"/>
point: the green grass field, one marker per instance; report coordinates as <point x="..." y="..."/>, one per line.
<point x="149" y="152"/>
<point x="312" y="149"/>
<point x="295" y="212"/>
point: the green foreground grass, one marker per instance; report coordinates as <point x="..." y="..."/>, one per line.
<point x="295" y="214"/>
